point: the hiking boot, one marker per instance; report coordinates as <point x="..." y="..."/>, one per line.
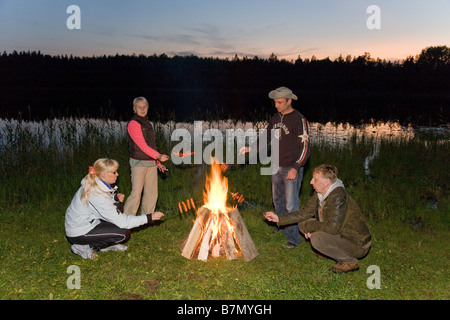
<point x="345" y="267"/>
<point x="116" y="247"/>
<point x="84" y="251"/>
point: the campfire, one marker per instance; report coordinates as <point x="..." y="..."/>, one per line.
<point x="218" y="229"/>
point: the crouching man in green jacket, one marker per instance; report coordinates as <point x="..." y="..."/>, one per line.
<point x="331" y="220"/>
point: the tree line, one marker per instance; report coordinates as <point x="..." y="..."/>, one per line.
<point x="350" y="89"/>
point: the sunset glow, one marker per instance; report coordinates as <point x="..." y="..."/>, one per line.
<point x="287" y="28"/>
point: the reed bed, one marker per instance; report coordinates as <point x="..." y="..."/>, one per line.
<point x="44" y="161"/>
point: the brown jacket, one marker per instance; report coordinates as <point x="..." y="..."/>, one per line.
<point x="341" y="215"/>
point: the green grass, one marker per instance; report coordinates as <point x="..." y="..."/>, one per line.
<point x="35" y="256"/>
<point x="405" y="200"/>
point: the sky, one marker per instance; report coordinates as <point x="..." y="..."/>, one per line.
<point x="225" y="28"/>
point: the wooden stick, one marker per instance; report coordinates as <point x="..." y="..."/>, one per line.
<point x="195" y="234"/>
<point x="204" y="248"/>
<point x="229" y="246"/>
<point x="243" y="237"/>
<point x="216" y="250"/>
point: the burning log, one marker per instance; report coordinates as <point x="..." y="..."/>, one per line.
<point x="195" y="234"/>
<point x="243" y="237"/>
<point x="217" y="229"/>
<point x="204" y="248"/>
<point x="215" y="252"/>
<point x="200" y="237"/>
<point x="229" y="246"/>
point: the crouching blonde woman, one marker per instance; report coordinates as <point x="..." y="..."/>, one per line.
<point x="94" y="220"/>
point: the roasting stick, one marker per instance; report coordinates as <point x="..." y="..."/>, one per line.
<point x="189" y="204"/>
<point x="240" y="199"/>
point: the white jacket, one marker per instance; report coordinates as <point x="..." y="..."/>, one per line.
<point x="82" y="218"/>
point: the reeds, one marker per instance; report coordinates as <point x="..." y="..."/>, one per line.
<point x="391" y="171"/>
<point x="39" y="161"/>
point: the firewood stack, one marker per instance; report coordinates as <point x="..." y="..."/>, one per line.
<point x="231" y="241"/>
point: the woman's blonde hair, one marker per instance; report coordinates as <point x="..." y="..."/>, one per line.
<point x="89" y="184"/>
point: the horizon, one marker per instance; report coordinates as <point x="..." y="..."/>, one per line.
<point x="391" y="31"/>
<point x="209" y="57"/>
<point x="212" y="57"/>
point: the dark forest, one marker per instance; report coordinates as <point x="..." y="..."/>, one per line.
<point x="357" y="89"/>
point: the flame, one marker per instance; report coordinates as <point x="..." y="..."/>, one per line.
<point x="215" y="198"/>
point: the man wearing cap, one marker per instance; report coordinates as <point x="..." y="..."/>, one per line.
<point x="291" y="130"/>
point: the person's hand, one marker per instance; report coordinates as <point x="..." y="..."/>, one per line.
<point x="307" y="235"/>
<point x="271" y="216"/>
<point x="157" y="215"/>
<point x="163" y="157"/>
<point x="292" y="174"/>
<point x="120" y="197"/>
<point x="244" y="150"/>
<point x="161" y="167"/>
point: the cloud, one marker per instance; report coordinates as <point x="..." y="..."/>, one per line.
<point x="209" y="40"/>
<point x="210" y="36"/>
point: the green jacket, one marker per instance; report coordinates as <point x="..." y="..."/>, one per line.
<point x="341" y="215"/>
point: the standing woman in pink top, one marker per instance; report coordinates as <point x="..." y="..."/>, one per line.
<point x="145" y="161"/>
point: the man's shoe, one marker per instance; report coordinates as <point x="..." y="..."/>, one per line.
<point x="345" y="267"/>
<point x="289" y="245"/>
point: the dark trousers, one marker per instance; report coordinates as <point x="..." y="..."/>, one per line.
<point x="105" y="234"/>
<point x="337" y="248"/>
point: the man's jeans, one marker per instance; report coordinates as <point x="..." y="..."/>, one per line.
<point x="285" y="195"/>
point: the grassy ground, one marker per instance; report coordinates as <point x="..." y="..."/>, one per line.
<point x="405" y="199"/>
<point x="35" y="257"/>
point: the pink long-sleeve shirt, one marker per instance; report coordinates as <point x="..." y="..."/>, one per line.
<point x="135" y="132"/>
